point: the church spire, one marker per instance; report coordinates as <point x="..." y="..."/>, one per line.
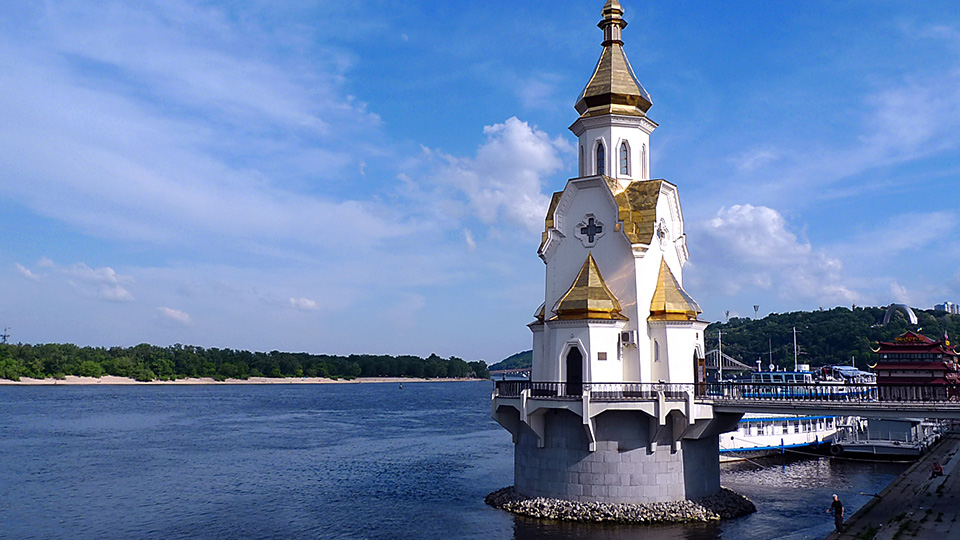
<point x="612" y="23"/>
<point x="613" y="88"/>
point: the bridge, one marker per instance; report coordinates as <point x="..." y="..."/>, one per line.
<point x="730" y="364"/>
<point x="902" y="401"/>
<point x="521" y="372"/>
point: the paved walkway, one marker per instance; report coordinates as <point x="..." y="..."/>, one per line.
<point x="914" y="505"/>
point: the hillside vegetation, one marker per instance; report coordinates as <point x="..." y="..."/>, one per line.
<point x="149" y="362"/>
<point x="517" y="361"/>
<point x="836" y="336"/>
<point x="828" y="337"/>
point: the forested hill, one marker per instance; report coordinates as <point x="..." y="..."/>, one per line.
<point x="520" y="360"/>
<point x="149" y="362"/>
<point x="823" y="337"/>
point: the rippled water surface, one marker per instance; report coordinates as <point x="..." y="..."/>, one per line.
<point x="347" y="461"/>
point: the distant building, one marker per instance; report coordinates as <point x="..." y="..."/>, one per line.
<point x="914" y="363"/>
<point x="949" y="307"/>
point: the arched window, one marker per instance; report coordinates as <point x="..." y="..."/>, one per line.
<point x="581" y="161"/>
<point x="656" y="351"/>
<point x="624" y="159"/>
<point x="644" y="171"/>
<point x="601" y="159"/>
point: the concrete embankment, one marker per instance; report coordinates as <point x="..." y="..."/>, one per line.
<point x="915" y="505"/>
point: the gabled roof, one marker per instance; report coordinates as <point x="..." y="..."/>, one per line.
<point x="588" y="297"/>
<point x="636" y="208"/>
<point x="670" y="302"/>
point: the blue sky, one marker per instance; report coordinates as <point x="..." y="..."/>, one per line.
<point x="368" y="177"/>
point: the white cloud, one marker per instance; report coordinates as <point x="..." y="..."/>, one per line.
<point x="175" y="315"/>
<point x="504" y="181"/>
<point x="468" y="238"/>
<point x="102" y="282"/>
<point x="25" y="272"/>
<point x="304" y="304"/>
<point x="754" y="159"/>
<point x="900" y="294"/>
<point x="747" y="247"/>
<point x="122" y="120"/>
<point x="539" y="92"/>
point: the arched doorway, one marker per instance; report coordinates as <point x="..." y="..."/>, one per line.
<point x="574" y="372"/>
<point x="700" y="373"/>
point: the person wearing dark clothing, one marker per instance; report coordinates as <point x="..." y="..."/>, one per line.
<point x="837" y="508"/>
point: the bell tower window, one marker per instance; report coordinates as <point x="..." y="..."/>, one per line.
<point x="601" y="159"/>
<point x="581" y="161"/>
<point x="624" y="159"/>
<point x="644" y="171"/>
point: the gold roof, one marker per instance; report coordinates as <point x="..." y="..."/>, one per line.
<point x="614" y="87"/>
<point x="637" y="209"/>
<point x="548" y="222"/>
<point x="588" y="297"/>
<point x="670" y="302"/>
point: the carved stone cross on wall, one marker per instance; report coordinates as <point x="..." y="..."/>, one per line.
<point x="591" y="230"/>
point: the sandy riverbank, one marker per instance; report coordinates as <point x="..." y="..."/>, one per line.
<point x="110" y="379"/>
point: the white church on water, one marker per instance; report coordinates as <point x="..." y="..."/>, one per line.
<point x="611" y="412"/>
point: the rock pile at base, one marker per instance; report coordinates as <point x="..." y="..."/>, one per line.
<point x="725" y="504"/>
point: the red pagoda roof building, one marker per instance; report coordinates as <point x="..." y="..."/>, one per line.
<point x="915" y="359"/>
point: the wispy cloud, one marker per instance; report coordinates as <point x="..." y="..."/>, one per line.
<point x="122" y="120"/>
<point x="25" y="272"/>
<point x="304" y="304"/>
<point x="102" y="282"/>
<point x="175" y="315"/>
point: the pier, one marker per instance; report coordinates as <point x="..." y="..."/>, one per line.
<point x="914" y="505"/>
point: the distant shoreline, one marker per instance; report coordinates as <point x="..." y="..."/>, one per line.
<point x="72" y="380"/>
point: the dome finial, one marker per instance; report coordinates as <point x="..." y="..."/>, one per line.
<point x="612" y="23"/>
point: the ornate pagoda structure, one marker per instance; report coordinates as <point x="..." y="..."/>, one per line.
<point x="914" y="359"/>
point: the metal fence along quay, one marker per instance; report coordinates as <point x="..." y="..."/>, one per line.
<point x="736" y="392"/>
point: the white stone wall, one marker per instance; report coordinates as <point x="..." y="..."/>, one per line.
<point x="631" y="275"/>
<point x="611" y="131"/>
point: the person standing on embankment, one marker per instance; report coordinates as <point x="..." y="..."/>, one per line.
<point x="837" y="508"/>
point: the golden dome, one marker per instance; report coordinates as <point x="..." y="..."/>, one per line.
<point x="588" y="297"/>
<point x="613" y="88"/>
<point x="670" y="302"/>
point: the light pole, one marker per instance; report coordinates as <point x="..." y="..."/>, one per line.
<point x="794" y="348"/>
<point x="720" y="355"/>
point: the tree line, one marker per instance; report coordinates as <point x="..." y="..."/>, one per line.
<point x="826" y="337"/>
<point x="146" y="362"/>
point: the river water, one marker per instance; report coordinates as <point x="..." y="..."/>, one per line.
<point x="336" y="461"/>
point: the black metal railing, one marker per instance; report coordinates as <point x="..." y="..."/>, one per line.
<point x="735" y="391"/>
<point x="856" y="393"/>
<point x="597" y="391"/>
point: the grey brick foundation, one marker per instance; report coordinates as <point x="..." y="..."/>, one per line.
<point x="622" y="469"/>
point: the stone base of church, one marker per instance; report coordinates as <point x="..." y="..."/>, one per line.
<point x="725" y="504"/>
<point x="623" y="468"/>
